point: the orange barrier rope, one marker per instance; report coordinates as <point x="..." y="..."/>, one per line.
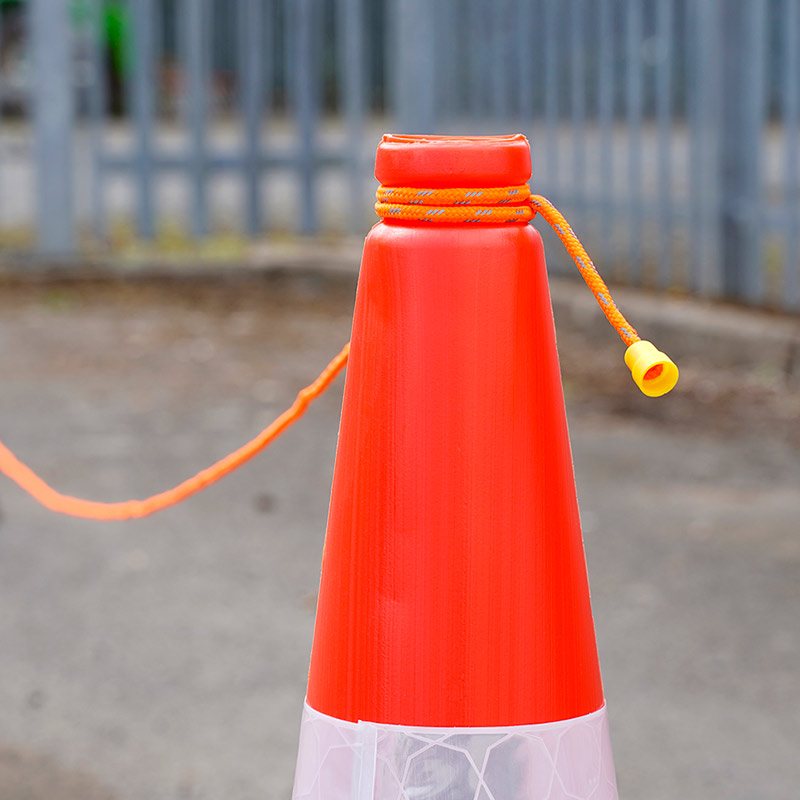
<point x="653" y="372"/>
<point x="24" y="477"/>
<point x="500" y="205"/>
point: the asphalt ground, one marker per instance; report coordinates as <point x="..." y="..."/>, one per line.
<point x="166" y="659"/>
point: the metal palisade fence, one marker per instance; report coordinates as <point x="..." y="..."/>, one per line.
<point x="668" y="130"/>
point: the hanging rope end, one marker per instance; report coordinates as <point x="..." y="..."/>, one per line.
<point x="653" y="372"/>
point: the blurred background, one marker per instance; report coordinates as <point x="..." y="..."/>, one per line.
<point x="184" y="188"/>
<point x="669" y="130"/>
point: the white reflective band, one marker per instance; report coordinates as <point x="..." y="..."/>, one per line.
<point x="567" y="760"/>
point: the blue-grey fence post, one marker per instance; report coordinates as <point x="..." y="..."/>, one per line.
<point x="353" y="82"/>
<point x="478" y="57"/>
<point x="51" y="90"/>
<point x="197" y="29"/>
<point x="412" y="27"/>
<point x="550" y="25"/>
<point x="307" y="100"/>
<point x="634" y="112"/>
<point x="1" y="119"/>
<point x="445" y="54"/>
<point x="524" y="13"/>
<point x="251" y="99"/>
<point x="605" y="119"/>
<point x="98" y="101"/>
<point x="742" y="82"/>
<point x="703" y="86"/>
<point x="577" y="69"/>
<point x="791" y="120"/>
<point x="143" y="91"/>
<point x="498" y="49"/>
<point x="663" y="112"/>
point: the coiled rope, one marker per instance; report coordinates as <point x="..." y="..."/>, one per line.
<point x="502" y="205"/>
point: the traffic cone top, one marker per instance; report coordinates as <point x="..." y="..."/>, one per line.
<point x="440" y="161"/>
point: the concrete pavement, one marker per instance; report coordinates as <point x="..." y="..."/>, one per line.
<point x="165" y="659"/>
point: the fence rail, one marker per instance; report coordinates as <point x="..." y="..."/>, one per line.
<point x="668" y="129"/>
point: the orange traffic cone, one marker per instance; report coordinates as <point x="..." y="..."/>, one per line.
<point x="454" y="654"/>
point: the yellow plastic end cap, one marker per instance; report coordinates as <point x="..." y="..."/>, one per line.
<point x="653" y="372"/>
